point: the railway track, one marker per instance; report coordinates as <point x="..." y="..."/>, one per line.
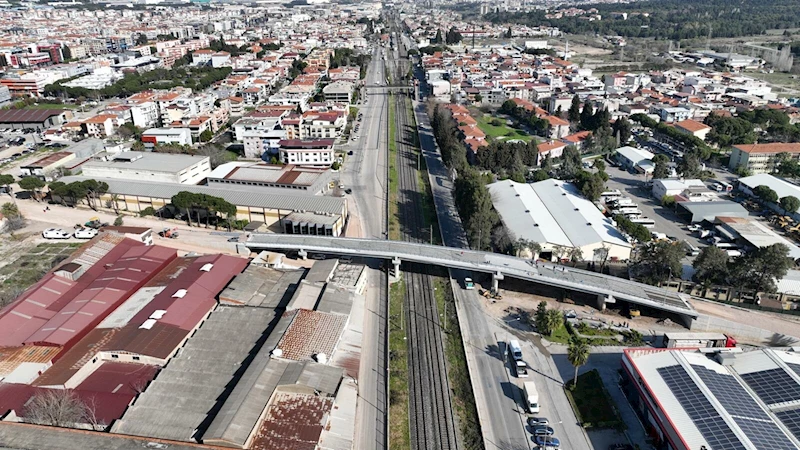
<point x="431" y="419"/>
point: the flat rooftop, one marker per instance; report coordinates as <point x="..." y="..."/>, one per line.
<point x="147" y="161"/>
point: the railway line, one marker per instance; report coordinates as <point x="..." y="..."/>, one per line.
<point x="431" y="419"/>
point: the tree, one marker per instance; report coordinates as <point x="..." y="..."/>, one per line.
<point x="689" y="167"/>
<point x="790" y="204"/>
<point x="206" y="136"/>
<point x="661" y="170"/>
<point x="539" y="175"/>
<point x="474" y="205"/>
<point x="575" y="256"/>
<point x="509" y="33"/>
<point x="586" y="115"/>
<point x="6" y="180"/>
<point x="10" y="210"/>
<point x="438" y="38"/>
<point x="118" y="221"/>
<point x="574" y="112"/>
<point x="478" y="98"/>
<point x="577" y="354"/>
<point x="622" y="129"/>
<point x="658" y="262"/>
<point x="66" y="52"/>
<point x="570" y="163"/>
<point x="33" y="184"/>
<point x="547" y="320"/>
<point x="541" y="317"/>
<point x="599" y="164"/>
<point x="759" y="269"/>
<point x="554" y="320"/>
<point x="56" y="407"/>
<point x="765" y="194"/>
<point x="711" y="266"/>
<point x="452" y="36"/>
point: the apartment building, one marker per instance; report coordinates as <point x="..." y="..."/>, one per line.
<point x="314" y="152"/>
<point x="158" y="136"/>
<point x="760" y="158"/>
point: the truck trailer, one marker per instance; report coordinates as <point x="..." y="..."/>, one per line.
<point x="531" y="397"/>
<point x="698" y="340"/>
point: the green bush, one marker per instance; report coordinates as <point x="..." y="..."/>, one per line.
<point x="149" y="211"/>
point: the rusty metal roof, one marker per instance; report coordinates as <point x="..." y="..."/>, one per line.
<point x="293" y="422"/>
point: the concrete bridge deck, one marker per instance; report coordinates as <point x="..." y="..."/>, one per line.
<point x="500" y="266"/>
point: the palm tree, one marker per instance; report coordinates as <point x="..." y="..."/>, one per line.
<point x="577" y="354"/>
<point x="114" y="204"/>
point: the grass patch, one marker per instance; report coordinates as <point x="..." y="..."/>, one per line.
<point x="592" y="403"/>
<point x="428" y="206"/>
<point x="499" y="130"/>
<point x="32" y="266"/>
<point x="394" y="221"/>
<point x="561" y="335"/>
<point x="52" y="106"/>
<point x="457" y="370"/>
<point x="399" y="432"/>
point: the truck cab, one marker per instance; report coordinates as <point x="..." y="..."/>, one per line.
<point x="469" y="284"/>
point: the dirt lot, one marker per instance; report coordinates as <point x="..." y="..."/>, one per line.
<point x="28" y="265"/>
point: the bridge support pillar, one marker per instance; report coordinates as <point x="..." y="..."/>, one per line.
<point x="602" y="299"/>
<point x="496" y="278"/>
<point x="302" y="254"/>
<point x="396" y="262"/>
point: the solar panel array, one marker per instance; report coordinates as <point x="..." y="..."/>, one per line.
<point x="795" y="367"/>
<point x="734" y="398"/>
<point x="773" y="386"/>
<point x="708" y="421"/>
<point x="791" y="419"/>
<point x="746" y="412"/>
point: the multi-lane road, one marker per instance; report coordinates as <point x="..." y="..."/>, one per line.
<point x="365" y="172"/>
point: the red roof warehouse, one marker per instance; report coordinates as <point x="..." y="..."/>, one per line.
<point x="58" y="310"/>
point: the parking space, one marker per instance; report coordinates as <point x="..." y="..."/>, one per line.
<point x="633" y="186"/>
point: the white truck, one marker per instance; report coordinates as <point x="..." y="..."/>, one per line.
<point x="531" y="397"/>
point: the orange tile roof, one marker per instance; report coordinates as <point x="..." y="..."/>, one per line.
<point x="777" y="147"/>
<point x="545" y="147"/>
<point x="692" y="125"/>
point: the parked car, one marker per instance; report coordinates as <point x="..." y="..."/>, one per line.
<point x="85" y="233"/>
<point x="547" y="442"/>
<point x="538" y="421"/>
<point x="543" y="430"/>
<point x="56" y="233"/>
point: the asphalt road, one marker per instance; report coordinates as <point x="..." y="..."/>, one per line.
<point x="501" y="422"/>
<point x="365" y="173"/>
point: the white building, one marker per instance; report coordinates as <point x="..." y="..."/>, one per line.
<point x="154" y="136"/>
<point x="315" y="152"/>
<point x="100" y="78"/>
<point x="636" y="159"/>
<point x="555" y="215"/>
<point x="144" y="114"/>
<point x="148" y="166"/>
<point x="672" y="187"/>
<point x="339" y="91"/>
<point x="781" y="187"/>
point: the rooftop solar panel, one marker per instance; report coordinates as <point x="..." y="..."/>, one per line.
<point x="764" y="434"/>
<point x="733" y="397"/>
<point x="773" y="386"/>
<point x="708" y="421"/>
<point x="795" y="367"/>
<point x="791" y="419"/>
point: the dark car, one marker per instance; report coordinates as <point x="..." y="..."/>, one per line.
<point x="16" y="155"/>
<point x="350" y="153"/>
<point x="348" y="191"/>
<point x="547" y="442"/>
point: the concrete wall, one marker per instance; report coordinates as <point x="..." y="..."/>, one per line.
<point x="741" y="332"/>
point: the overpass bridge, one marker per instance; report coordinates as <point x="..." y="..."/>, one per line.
<point x="607" y="288"/>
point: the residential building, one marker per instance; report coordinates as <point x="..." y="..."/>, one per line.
<point x="144" y="114"/>
<point x="319" y="125"/>
<point x="760" y="158"/>
<point x="553" y="149"/>
<point x="696" y="129"/>
<point x="670" y="114"/>
<point x="100" y="126"/>
<point x="316" y="152"/>
<point x="159" y="136"/>
<point x="339" y="91"/>
<point x="149" y="166"/>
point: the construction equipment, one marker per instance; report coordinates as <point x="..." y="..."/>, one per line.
<point x="95" y="223"/>
<point x="169" y="233"/>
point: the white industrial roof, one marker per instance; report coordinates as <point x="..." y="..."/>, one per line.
<point x="634" y="154"/>
<point x="758" y="235"/>
<point x="782" y="187"/>
<point x="148" y="161"/>
<point x="738" y="406"/>
<point x="671" y="184"/>
<point x="553" y="212"/>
